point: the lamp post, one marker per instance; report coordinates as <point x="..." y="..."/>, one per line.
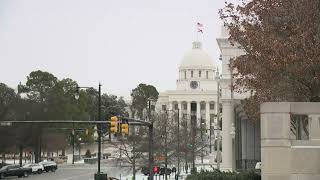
<point x="178" y="149"/>
<point x="79" y="148"/>
<point x="99" y="175"/>
<point x="233" y="135"/>
<point x="150" y="142"/>
<point x="218" y="120"/>
<point x="218" y="156"/>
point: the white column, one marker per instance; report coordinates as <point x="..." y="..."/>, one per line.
<point x="189" y="113"/>
<point x="208" y="114"/>
<point x="180" y="109"/>
<point x="170" y="106"/>
<point x="198" y="114"/>
<point x="227" y="119"/>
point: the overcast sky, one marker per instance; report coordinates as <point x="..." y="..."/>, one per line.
<point x="120" y="43"/>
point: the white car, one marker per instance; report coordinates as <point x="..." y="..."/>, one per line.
<point x="36" y="168"/>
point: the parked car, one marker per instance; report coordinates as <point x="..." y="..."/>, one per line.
<point x="49" y="166"/>
<point x="162" y="171"/>
<point x="258" y="168"/>
<point x="14" y="170"/>
<point x="112" y="178"/>
<point x="3" y="164"/>
<point x="36" y="168"/>
<point x="145" y="170"/>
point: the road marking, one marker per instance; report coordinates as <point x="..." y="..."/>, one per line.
<point x="76" y="177"/>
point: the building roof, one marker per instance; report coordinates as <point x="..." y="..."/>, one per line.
<point x="196" y="58"/>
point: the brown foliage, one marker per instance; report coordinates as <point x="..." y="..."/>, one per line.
<point x="281" y="39"/>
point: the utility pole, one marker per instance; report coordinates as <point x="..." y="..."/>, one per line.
<point x="150" y="143"/>
<point x="73" y="134"/>
<point x="178" y="149"/>
<point x="218" y="122"/>
<point x="193" y="130"/>
<point x="99" y="129"/>
<point x="166" y="147"/>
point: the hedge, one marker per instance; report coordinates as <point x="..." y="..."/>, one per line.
<point x="218" y="175"/>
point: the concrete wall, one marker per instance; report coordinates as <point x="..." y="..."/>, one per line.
<point x="283" y="158"/>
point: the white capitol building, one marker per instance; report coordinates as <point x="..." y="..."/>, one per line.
<point x="196" y="97"/>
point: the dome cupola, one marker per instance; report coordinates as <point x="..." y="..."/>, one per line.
<point x="196" y="58"/>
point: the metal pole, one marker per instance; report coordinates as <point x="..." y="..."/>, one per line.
<point x="178" y="149"/>
<point x="218" y="151"/>
<point x="73" y="133"/>
<point x="150" y="144"/>
<point x="218" y="121"/>
<point x="166" y="148"/>
<point x="72" y="146"/>
<point x="99" y="130"/>
<point x="120" y="161"/>
<point x="210" y="134"/>
<point x="193" y="130"/>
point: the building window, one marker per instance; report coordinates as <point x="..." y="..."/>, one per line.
<point x="199" y="73"/>
<point x="212" y="118"/>
<point x="192" y="74"/>
<point x="185" y="106"/>
<point x="299" y="127"/>
<point x="184" y="116"/>
<point x="207" y="74"/>
<point x="211" y="106"/>
<point x="185" y="74"/>
<point x="176" y="107"/>
<point x="164" y="107"/>
<point x="202" y="106"/>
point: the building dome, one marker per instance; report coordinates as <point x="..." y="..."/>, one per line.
<point x="196" y="58"/>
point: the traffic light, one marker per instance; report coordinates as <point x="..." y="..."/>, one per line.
<point x="155" y="170"/>
<point x="125" y="128"/>
<point x="114" y="124"/>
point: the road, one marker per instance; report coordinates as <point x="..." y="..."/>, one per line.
<point x="75" y="172"/>
<point x="85" y="172"/>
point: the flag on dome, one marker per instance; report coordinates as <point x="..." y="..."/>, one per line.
<point x="199" y="24"/>
<point x="200" y="30"/>
<point x="199" y="27"/>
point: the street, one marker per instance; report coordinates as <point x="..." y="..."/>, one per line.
<point x="77" y="172"/>
<point x="85" y="172"/>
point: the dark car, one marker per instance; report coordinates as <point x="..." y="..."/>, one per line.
<point x="49" y="166"/>
<point x="145" y="170"/>
<point x="162" y="171"/>
<point x="14" y="170"/>
<point x="3" y="164"/>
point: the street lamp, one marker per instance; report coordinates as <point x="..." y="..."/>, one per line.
<point x="99" y="175"/>
<point x="218" y="155"/>
<point x="79" y="140"/>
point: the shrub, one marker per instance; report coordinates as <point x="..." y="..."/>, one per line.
<point x="218" y="175"/>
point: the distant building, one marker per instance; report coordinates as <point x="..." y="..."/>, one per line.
<point x="196" y="97"/>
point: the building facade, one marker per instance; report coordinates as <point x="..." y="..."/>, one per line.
<point x="196" y="96"/>
<point x="241" y="135"/>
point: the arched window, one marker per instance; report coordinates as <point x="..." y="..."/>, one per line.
<point x="192" y="74"/>
<point x="207" y="74"/>
<point x="199" y="73"/>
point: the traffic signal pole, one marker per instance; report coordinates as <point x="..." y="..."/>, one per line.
<point x="150" y="143"/>
<point x="99" y="129"/>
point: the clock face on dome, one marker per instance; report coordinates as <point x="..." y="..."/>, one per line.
<point x="193" y="84"/>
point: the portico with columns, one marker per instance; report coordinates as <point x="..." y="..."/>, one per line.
<point x="196" y="90"/>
